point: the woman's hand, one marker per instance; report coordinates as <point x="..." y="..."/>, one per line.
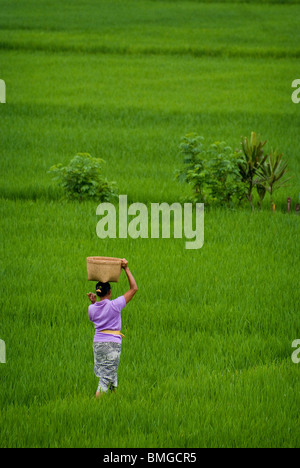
<point x="92" y="297"/>
<point x="124" y="263"/>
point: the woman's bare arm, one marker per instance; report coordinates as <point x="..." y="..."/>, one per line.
<point x="132" y="284"/>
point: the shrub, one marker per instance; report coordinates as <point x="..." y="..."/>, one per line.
<point x="252" y="158"/>
<point x="219" y="175"/>
<point x="212" y="172"/>
<point x="82" y="179"/>
<point x="271" y="174"/>
<point x="263" y="171"/>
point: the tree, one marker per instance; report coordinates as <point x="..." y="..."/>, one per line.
<point x="270" y="173"/>
<point x="252" y="159"/>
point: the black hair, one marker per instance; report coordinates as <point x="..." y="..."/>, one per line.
<point x="102" y="289"/>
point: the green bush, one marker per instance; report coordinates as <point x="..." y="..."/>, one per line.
<point x="212" y="171"/>
<point x="263" y="171"/>
<point x="82" y="179"/>
<point x="219" y="175"/>
<point x="271" y="174"/>
<point x="252" y="158"/>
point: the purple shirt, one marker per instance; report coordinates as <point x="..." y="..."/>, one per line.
<point x="106" y="315"/>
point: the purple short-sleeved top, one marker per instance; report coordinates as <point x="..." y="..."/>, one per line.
<point x="106" y="315"/>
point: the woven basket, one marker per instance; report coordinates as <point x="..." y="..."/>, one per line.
<point x="103" y="269"/>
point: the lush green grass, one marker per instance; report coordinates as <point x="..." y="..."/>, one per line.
<point x="132" y="26"/>
<point x="207" y="353"/>
<point x="206" y="361"/>
<point x="136" y="109"/>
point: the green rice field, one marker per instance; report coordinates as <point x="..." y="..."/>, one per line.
<point x="207" y="356"/>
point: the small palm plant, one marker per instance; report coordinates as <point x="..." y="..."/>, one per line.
<point x="252" y="159"/>
<point x="271" y="173"/>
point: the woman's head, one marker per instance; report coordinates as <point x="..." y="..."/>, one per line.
<point x="102" y="289"/>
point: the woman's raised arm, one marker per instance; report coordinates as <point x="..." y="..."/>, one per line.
<point x="132" y="284"/>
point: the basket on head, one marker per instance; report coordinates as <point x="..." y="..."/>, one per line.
<point x="104" y="269"/>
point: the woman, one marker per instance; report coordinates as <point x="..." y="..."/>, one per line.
<point x="106" y="316"/>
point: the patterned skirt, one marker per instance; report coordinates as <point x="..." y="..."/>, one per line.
<point x="106" y="363"/>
